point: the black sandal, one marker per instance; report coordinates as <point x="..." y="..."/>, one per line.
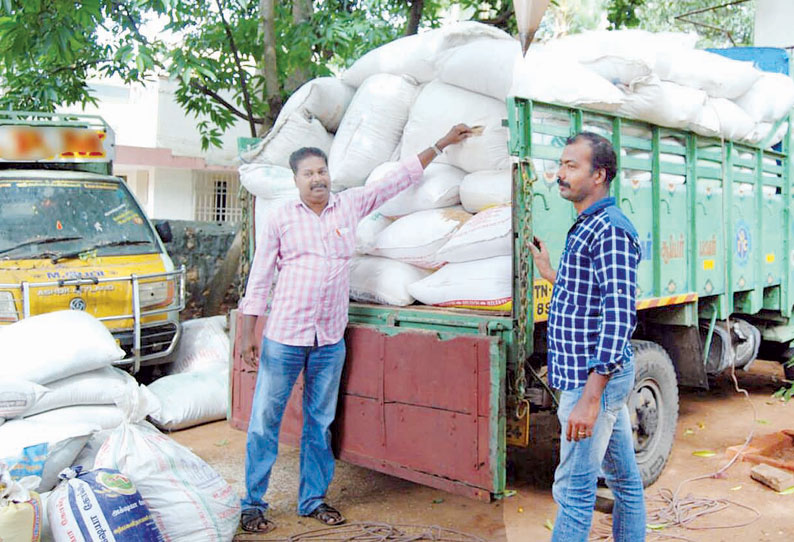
<point x="327" y="514"/>
<point x="253" y="520"/>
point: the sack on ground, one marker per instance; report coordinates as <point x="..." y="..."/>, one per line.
<point x="484" y="189"/>
<point x="204" y="345"/>
<point x="99" y="387"/>
<point x="56" y="345"/>
<point x="383" y="281"/>
<point x="371" y="129"/>
<point x="324" y="98"/>
<point x="440" y="106"/>
<point x="485" y="235"/>
<point x="416" y="238"/>
<point x="481" y="284"/>
<point x="17" y="397"/>
<point x="416" y="55"/>
<point x="20" y="509"/>
<point x="769" y="99"/>
<point x="368" y="230"/>
<point x="663" y="102"/>
<point x="97" y="506"/>
<point x="718" y="76"/>
<point x="268" y="181"/>
<point x="439" y="187"/>
<point x="189" y="399"/>
<point x="493" y="60"/>
<point x="289" y="133"/>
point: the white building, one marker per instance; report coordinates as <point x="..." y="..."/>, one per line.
<point x="158" y="153"/>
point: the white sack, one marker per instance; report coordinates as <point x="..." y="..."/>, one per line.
<point x="188" y="499"/>
<point x="485" y="189"/>
<point x="104" y="416"/>
<point x="493" y="61"/>
<point x="485" y="235"/>
<point x="762" y="130"/>
<point x="189" y="399"/>
<point x="267" y="181"/>
<point x="323" y="98"/>
<point x="769" y="99"/>
<point x="204" y="345"/>
<point x="721" y="117"/>
<point x="662" y="102"/>
<point x="103" y="386"/>
<point x="371" y="129"/>
<point x="17" y="397"/>
<point x="368" y="230"/>
<point x="289" y="133"/>
<point x="718" y="76"/>
<point x="439" y="187"/>
<point x="549" y="77"/>
<point x="416" y="55"/>
<point x="481" y="284"/>
<point x="383" y="281"/>
<point x="416" y="238"/>
<point x="438" y="108"/>
<point x="55" y="345"/>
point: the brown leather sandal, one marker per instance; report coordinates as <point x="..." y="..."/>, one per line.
<point x="253" y="520"/>
<point x="327" y="514"/>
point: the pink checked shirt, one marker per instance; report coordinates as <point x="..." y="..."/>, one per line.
<point x="312" y="255"/>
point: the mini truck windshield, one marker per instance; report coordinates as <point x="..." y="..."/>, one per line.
<point x="51" y="217"/>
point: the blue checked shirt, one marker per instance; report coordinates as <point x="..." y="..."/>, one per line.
<point x="593" y="307"/>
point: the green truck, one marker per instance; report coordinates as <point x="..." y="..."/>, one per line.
<point x="443" y="397"/>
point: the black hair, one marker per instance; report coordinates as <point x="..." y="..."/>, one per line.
<point x="602" y="154"/>
<point x="305" y="152"/>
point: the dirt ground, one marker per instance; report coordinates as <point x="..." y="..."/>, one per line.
<point x="710" y="420"/>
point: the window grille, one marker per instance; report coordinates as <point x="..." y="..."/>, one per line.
<point x="217" y="196"/>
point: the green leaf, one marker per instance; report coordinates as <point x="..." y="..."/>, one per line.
<point x="788" y="491"/>
<point x="656" y="526"/>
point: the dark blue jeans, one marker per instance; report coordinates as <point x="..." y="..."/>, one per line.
<point x="611" y="450"/>
<point x="279" y="367"/>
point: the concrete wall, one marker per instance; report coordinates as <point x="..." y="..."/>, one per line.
<point x="774" y="23"/>
<point x="173" y="191"/>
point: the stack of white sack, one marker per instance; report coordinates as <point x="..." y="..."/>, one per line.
<point x="408" y="93"/>
<point x="56" y="392"/>
<point x="196" y="390"/>
<point x="188" y="500"/>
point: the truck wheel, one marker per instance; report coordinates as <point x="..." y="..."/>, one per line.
<point x="653" y="408"/>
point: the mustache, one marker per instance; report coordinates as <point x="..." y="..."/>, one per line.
<point x="563" y="183"/>
<point x="318" y="185"/>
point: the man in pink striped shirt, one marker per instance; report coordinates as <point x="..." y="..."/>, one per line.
<point x="310" y="242"/>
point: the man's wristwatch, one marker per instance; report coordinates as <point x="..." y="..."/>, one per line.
<point x="436" y="149"/>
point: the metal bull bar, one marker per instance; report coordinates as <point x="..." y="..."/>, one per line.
<point x="137" y="314"/>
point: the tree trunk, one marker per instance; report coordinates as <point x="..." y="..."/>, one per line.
<point x="301" y="14"/>
<point x="415" y="17"/>
<point x="272" y="90"/>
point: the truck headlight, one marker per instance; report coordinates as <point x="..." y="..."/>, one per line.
<point x="156" y="294"/>
<point x="8" y="308"/>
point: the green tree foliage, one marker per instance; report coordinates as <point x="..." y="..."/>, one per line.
<point x="729" y="23"/>
<point x="214" y="49"/>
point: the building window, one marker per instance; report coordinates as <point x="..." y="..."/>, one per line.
<point x="217" y="196"/>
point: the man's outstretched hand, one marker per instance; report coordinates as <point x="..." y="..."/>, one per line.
<point x="456" y="134"/>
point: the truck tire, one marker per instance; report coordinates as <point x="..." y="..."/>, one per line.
<point x="653" y="408"/>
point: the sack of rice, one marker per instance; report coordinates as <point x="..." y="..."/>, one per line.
<point x="485" y="189"/>
<point x="439" y="187"/>
<point x="416" y="238"/>
<point x="323" y="98"/>
<point x="485" y="235"/>
<point x="718" y="76"/>
<point x="662" y="102"/>
<point x="480" y="284"/>
<point x="769" y="99"/>
<point x="383" y="281"/>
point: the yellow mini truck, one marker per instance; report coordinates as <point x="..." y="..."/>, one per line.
<point x="74" y="237"/>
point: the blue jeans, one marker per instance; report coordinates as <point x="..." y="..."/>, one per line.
<point x="611" y="450"/>
<point x="279" y="367"/>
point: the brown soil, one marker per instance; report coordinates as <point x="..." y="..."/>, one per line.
<point x="710" y="420"/>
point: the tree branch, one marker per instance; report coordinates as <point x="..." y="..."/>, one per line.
<point x="218" y="98"/>
<point x="415" y="17"/>
<point x="240" y="70"/>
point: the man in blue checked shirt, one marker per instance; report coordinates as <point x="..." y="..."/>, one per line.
<point x="590" y="359"/>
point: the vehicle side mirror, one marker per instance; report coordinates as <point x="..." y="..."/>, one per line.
<point x="164" y="231"/>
